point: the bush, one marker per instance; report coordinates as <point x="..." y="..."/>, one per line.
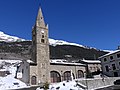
<point x="46" y="86"/>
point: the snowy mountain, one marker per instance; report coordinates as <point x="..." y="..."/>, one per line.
<point x="54" y="42"/>
<point x="7" y="38"/>
<point x="58" y="49"/>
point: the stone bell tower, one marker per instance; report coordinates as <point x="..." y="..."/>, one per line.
<point x="40" y="50"/>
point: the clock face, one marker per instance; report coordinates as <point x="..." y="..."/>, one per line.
<point x="42" y="31"/>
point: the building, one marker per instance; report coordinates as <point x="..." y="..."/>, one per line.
<point x="23" y="70"/>
<point x="19" y="69"/>
<point x="40" y="70"/>
<point x="44" y="69"/>
<point x="92" y="65"/>
<point x="111" y="63"/>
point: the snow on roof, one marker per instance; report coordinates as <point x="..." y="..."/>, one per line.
<point x="10" y="61"/>
<point x="58" y="60"/>
<point x="91" y="61"/>
<point x="30" y="61"/>
<point x="107" y="50"/>
<point x="112" y="52"/>
<point x="62" y="61"/>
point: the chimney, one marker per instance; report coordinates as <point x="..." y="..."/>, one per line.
<point x="118" y="47"/>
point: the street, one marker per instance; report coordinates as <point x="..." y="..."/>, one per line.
<point x="114" y="87"/>
<point x="28" y="88"/>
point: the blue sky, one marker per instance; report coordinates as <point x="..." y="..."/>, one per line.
<point x="94" y="23"/>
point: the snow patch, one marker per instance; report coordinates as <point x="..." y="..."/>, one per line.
<point x="61" y="42"/>
<point x="7" y="38"/>
<point x="91" y="61"/>
<point x="70" y="85"/>
<point x="108" y="51"/>
<point x="8" y="81"/>
<point x="112" y="52"/>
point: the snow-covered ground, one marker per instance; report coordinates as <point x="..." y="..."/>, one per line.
<point x="8" y="81"/>
<point x="94" y="83"/>
<point x="71" y="85"/>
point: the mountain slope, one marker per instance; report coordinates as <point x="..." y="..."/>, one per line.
<point x="54" y="42"/>
<point x="74" y="52"/>
<point x="7" y="38"/>
<point x="10" y="48"/>
<point x="22" y="50"/>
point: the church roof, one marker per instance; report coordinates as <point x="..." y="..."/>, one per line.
<point x="112" y="52"/>
<point x="64" y="62"/>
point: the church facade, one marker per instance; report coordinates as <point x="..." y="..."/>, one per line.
<point x="44" y="69"/>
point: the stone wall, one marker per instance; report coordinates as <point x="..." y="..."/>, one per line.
<point x="63" y="68"/>
<point x="98" y="83"/>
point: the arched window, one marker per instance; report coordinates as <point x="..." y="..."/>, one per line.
<point x="42" y="40"/>
<point x="55" y="76"/>
<point x="80" y="74"/>
<point x="67" y="75"/>
<point x="33" y="80"/>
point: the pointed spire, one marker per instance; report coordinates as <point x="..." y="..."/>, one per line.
<point x="40" y="19"/>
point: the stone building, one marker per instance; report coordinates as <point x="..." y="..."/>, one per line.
<point x="92" y="65"/>
<point x="23" y="70"/>
<point x="111" y="63"/>
<point x="40" y="51"/>
<point x="44" y="69"/>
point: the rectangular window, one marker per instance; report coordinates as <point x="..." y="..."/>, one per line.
<point x="113" y="66"/>
<point x="118" y="55"/>
<point x="111" y="57"/>
<point x="115" y="74"/>
<point x="105" y="59"/>
<point x="107" y="68"/>
<point x="42" y="36"/>
<point x="22" y="70"/>
<point x="42" y="40"/>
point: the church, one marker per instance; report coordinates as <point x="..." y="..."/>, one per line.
<point x="45" y="69"/>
